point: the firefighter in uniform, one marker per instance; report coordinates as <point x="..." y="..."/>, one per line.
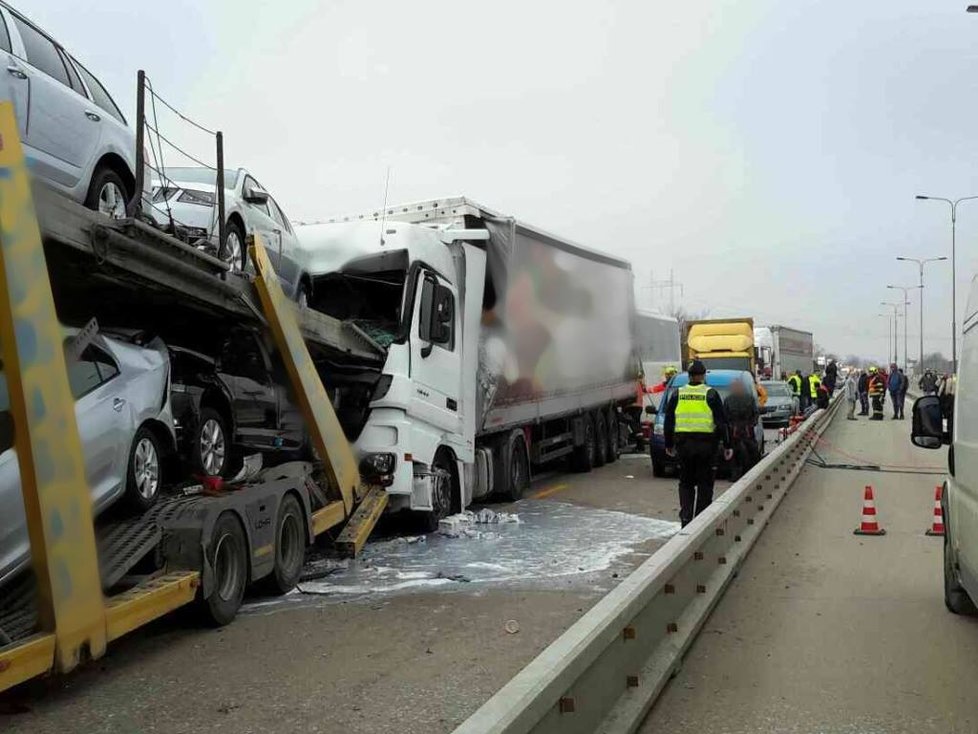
<point x="695" y="426"/>
<point x="877" y="391"/>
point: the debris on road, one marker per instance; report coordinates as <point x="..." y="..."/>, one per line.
<point x="512" y="626"/>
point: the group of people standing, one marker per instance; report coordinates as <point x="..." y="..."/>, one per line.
<point x="813" y="390"/>
<point x="870" y="387"/>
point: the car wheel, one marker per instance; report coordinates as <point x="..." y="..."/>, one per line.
<point x="144" y="475"/>
<point x="211" y="448"/>
<point x="290" y="547"/>
<point x="956" y="599"/>
<point x="302" y="296"/>
<point x="107" y="194"/>
<point x="227" y="558"/>
<point x="234" y="248"/>
<point x="600" y="438"/>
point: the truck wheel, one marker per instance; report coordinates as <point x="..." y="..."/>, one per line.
<point x="290" y="547"/>
<point x="227" y="556"/>
<point x="600" y="438"/>
<point x="518" y="477"/>
<point x="614" y="444"/>
<point x="442" y="494"/>
<point x="582" y="459"/>
<point x="956" y="599"/>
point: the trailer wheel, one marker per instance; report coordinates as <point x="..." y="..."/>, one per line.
<point x="582" y="459"/>
<point x="614" y="442"/>
<point x="228" y="559"/>
<point x="600" y="438"/>
<point x="518" y="476"/>
<point x="290" y="547"/>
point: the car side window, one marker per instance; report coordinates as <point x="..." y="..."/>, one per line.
<point x="241" y="357"/>
<point x="76" y="82"/>
<point x="4" y="36"/>
<point x="279" y="216"/>
<point x="42" y="54"/>
<point x="83" y="376"/>
<point x="107" y="368"/>
<point x="101" y="97"/>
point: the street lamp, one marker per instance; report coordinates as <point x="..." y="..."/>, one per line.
<point x="895" y="306"/>
<point x="906" y="321"/>
<point x="954" y="271"/>
<point x="889" y="330"/>
<point x="920" y="266"/>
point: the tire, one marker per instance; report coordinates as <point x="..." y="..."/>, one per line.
<point x="442" y="495"/>
<point x="290" y="547"/>
<point x="614" y="444"/>
<point x="600" y="438"/>
<point x="144" y="472"/>
<point x="956" y="599"/>
<point x="210" y="450"/>
<point x="234" y="247"/>
<point x="518" y="471"/>
<point x="582" y="458"/>
<point x="227" y="558"/>
<point x="107" y="193"/>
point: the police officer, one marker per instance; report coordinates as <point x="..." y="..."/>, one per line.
<point x="796" y="381"/>
<point x="814" y="383"/>
<point x="695" y="425"/>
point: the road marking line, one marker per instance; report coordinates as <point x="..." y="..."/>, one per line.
<point x="549" y="491"/>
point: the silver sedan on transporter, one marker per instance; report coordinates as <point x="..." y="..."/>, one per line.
<point x="122" y="404"/>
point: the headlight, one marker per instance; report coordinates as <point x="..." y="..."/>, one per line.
<point x="202" y="198"/>
<point x="378" y="468"/>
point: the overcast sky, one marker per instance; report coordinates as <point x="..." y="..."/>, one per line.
<point x="766" y="151"/>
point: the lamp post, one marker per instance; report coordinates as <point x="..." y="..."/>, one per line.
<point x="920" y="270"/>
<point x="889" y="331"/>
<point x="954" y="271"/>
<point x="906" y="302"/>
<point x="894" y="306"/>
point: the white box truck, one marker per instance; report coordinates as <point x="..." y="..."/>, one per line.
<point x="506" y="348"/>
<point x="782" y="350"/>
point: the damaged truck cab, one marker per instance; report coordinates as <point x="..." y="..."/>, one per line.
<point x="506" y="347"/>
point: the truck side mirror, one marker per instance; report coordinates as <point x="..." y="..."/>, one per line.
<point x="927" y="429"/>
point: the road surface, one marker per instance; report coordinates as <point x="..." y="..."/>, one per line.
<point x="825" y="631"/>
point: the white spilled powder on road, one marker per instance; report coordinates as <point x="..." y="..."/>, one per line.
<point x="542" y="544"/>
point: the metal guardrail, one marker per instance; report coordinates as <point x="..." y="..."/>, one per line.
<point x="605" y="672"/>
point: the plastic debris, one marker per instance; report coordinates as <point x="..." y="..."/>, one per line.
<point x="512" y="626"/>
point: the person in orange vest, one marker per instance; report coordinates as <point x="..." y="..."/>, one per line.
<point x="877" y="390"/>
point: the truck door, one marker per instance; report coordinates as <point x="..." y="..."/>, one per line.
<point x="436" y="364"/>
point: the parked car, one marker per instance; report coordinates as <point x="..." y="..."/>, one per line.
<point x="781" y="403"/>
<point x="233" y="405"/>
<point x="124" y="421"/>
<point x="75" y="137"/>
<point x="186" y="198"/>
<point x="719" y="379"/>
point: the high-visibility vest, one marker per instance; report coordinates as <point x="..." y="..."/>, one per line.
<point x="795" y="382"/>
<point x="693" y="414"/>
<point x="876" y="386"/>
<point x="813" y="382"/>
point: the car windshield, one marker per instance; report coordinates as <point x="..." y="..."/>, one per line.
<point x="202" y="176"/>
<point x="776" y="389"/>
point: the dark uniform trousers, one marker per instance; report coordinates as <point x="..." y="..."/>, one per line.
<point x="697" y="454"/>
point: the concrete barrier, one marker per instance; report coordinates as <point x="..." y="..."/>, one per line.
<point x="604" y="673"/>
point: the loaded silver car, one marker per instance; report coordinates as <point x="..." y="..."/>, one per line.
<point x="75" y="137"/>
<point x="122" y="404"/>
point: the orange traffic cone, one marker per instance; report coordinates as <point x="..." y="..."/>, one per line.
<point x="869" y="525"/>
<point x="937" y="528"/>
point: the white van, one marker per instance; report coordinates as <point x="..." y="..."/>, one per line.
<point x="931" y="430"/>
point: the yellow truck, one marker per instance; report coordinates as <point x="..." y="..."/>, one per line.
<point x="721" y="344"/>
